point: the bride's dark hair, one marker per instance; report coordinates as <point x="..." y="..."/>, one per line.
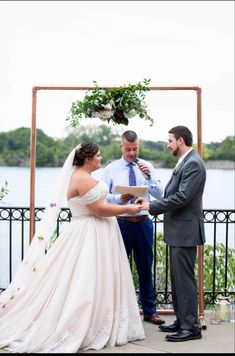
<point x="84" y="150"/>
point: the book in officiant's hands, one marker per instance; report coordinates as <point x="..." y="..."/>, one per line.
<point x="139" y="191"/>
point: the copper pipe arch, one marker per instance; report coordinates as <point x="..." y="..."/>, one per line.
<point x="33" y="164"/>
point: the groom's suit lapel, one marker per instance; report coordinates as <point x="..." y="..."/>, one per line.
<point x="178" y="170"/>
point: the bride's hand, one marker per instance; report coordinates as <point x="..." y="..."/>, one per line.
<point x="133" y="209"/>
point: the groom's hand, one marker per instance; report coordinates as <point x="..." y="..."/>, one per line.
<point x="144" y="204"/>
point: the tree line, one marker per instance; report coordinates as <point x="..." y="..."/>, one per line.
<point x="51" y="152"/>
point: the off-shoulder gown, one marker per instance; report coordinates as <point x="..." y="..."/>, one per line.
<point x="82" y="296"/>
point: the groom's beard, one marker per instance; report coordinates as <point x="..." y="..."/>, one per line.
<point x="176" y="152"/>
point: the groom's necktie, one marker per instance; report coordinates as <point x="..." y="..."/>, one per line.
<point x="132" y="179"/>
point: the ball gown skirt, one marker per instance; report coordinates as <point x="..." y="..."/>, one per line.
<point x="81" y="295"/>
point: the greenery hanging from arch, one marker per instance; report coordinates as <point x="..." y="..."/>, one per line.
<point x="117" y="105"/>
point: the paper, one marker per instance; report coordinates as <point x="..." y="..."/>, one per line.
<point x="140" y="191"/>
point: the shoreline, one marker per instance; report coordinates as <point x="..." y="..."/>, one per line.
<point x="220" y="164"/>
<point x="215" y="164"/>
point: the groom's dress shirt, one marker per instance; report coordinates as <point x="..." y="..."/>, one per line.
<point x="117" y="173"/>
<point x="180" y="160"/>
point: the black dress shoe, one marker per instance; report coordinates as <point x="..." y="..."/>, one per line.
<point x="172" y="328"/>
<point x="184" y="335"/>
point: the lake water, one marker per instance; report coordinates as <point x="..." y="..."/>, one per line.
<point x="218" y="194"/>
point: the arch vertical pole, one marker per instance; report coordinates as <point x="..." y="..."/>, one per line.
<point x="32" y="165"/>
<point x="200" y="247"/>
<point x="199" y="121"/>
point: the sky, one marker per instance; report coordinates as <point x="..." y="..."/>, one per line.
<point x="72" y="43"/>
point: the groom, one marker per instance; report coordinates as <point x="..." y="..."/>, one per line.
<point x="183" y="231"/>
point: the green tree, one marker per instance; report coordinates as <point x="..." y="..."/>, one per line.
<point x="15" y="147"/>
<point x="112" y="150"/>
<point x="227" y="148"/>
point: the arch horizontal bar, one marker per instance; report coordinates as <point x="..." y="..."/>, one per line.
<point x="36" y="88"/>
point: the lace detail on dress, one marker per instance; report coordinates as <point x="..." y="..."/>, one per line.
<point x="42" y="338"/>
<point x="129" y="325"/>
<point x="118" y="329"/>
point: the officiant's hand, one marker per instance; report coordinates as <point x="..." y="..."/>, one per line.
<point x="144" y="169"/>
<point x="139" y="200"/>
<point x="126" y="197"/>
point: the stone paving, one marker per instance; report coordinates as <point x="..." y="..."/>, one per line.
<point x="215" y="339"/>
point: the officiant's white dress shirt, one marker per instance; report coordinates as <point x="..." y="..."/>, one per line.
<point x="117" y="173"/>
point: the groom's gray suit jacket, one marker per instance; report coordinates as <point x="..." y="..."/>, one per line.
<point x="182" y="204"/>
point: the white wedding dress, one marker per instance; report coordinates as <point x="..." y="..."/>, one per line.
<point x="81" y="295"/>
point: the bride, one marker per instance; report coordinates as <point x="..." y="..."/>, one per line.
<point x="79" y="295"/>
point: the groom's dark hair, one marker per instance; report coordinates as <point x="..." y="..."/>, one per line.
<point x="184" y="132"/>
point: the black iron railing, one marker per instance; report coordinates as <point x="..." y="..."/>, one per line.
<point x="219" y="254"/>
<point x="218" y="263"/>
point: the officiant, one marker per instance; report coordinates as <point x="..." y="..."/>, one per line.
<point x="137" y="231"/>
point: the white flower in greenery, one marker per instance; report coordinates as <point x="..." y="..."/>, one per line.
<point x="108" y="107"/>
<point x="145" y="105"/>
<point x="105" y="115"/>
<point x="130" y="114"/>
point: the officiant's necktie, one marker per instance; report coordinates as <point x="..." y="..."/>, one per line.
<point x="132" y="179"/>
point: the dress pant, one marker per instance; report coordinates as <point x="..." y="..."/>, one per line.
<point x="184" y="287"/>
<point x="138" y="237"/>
